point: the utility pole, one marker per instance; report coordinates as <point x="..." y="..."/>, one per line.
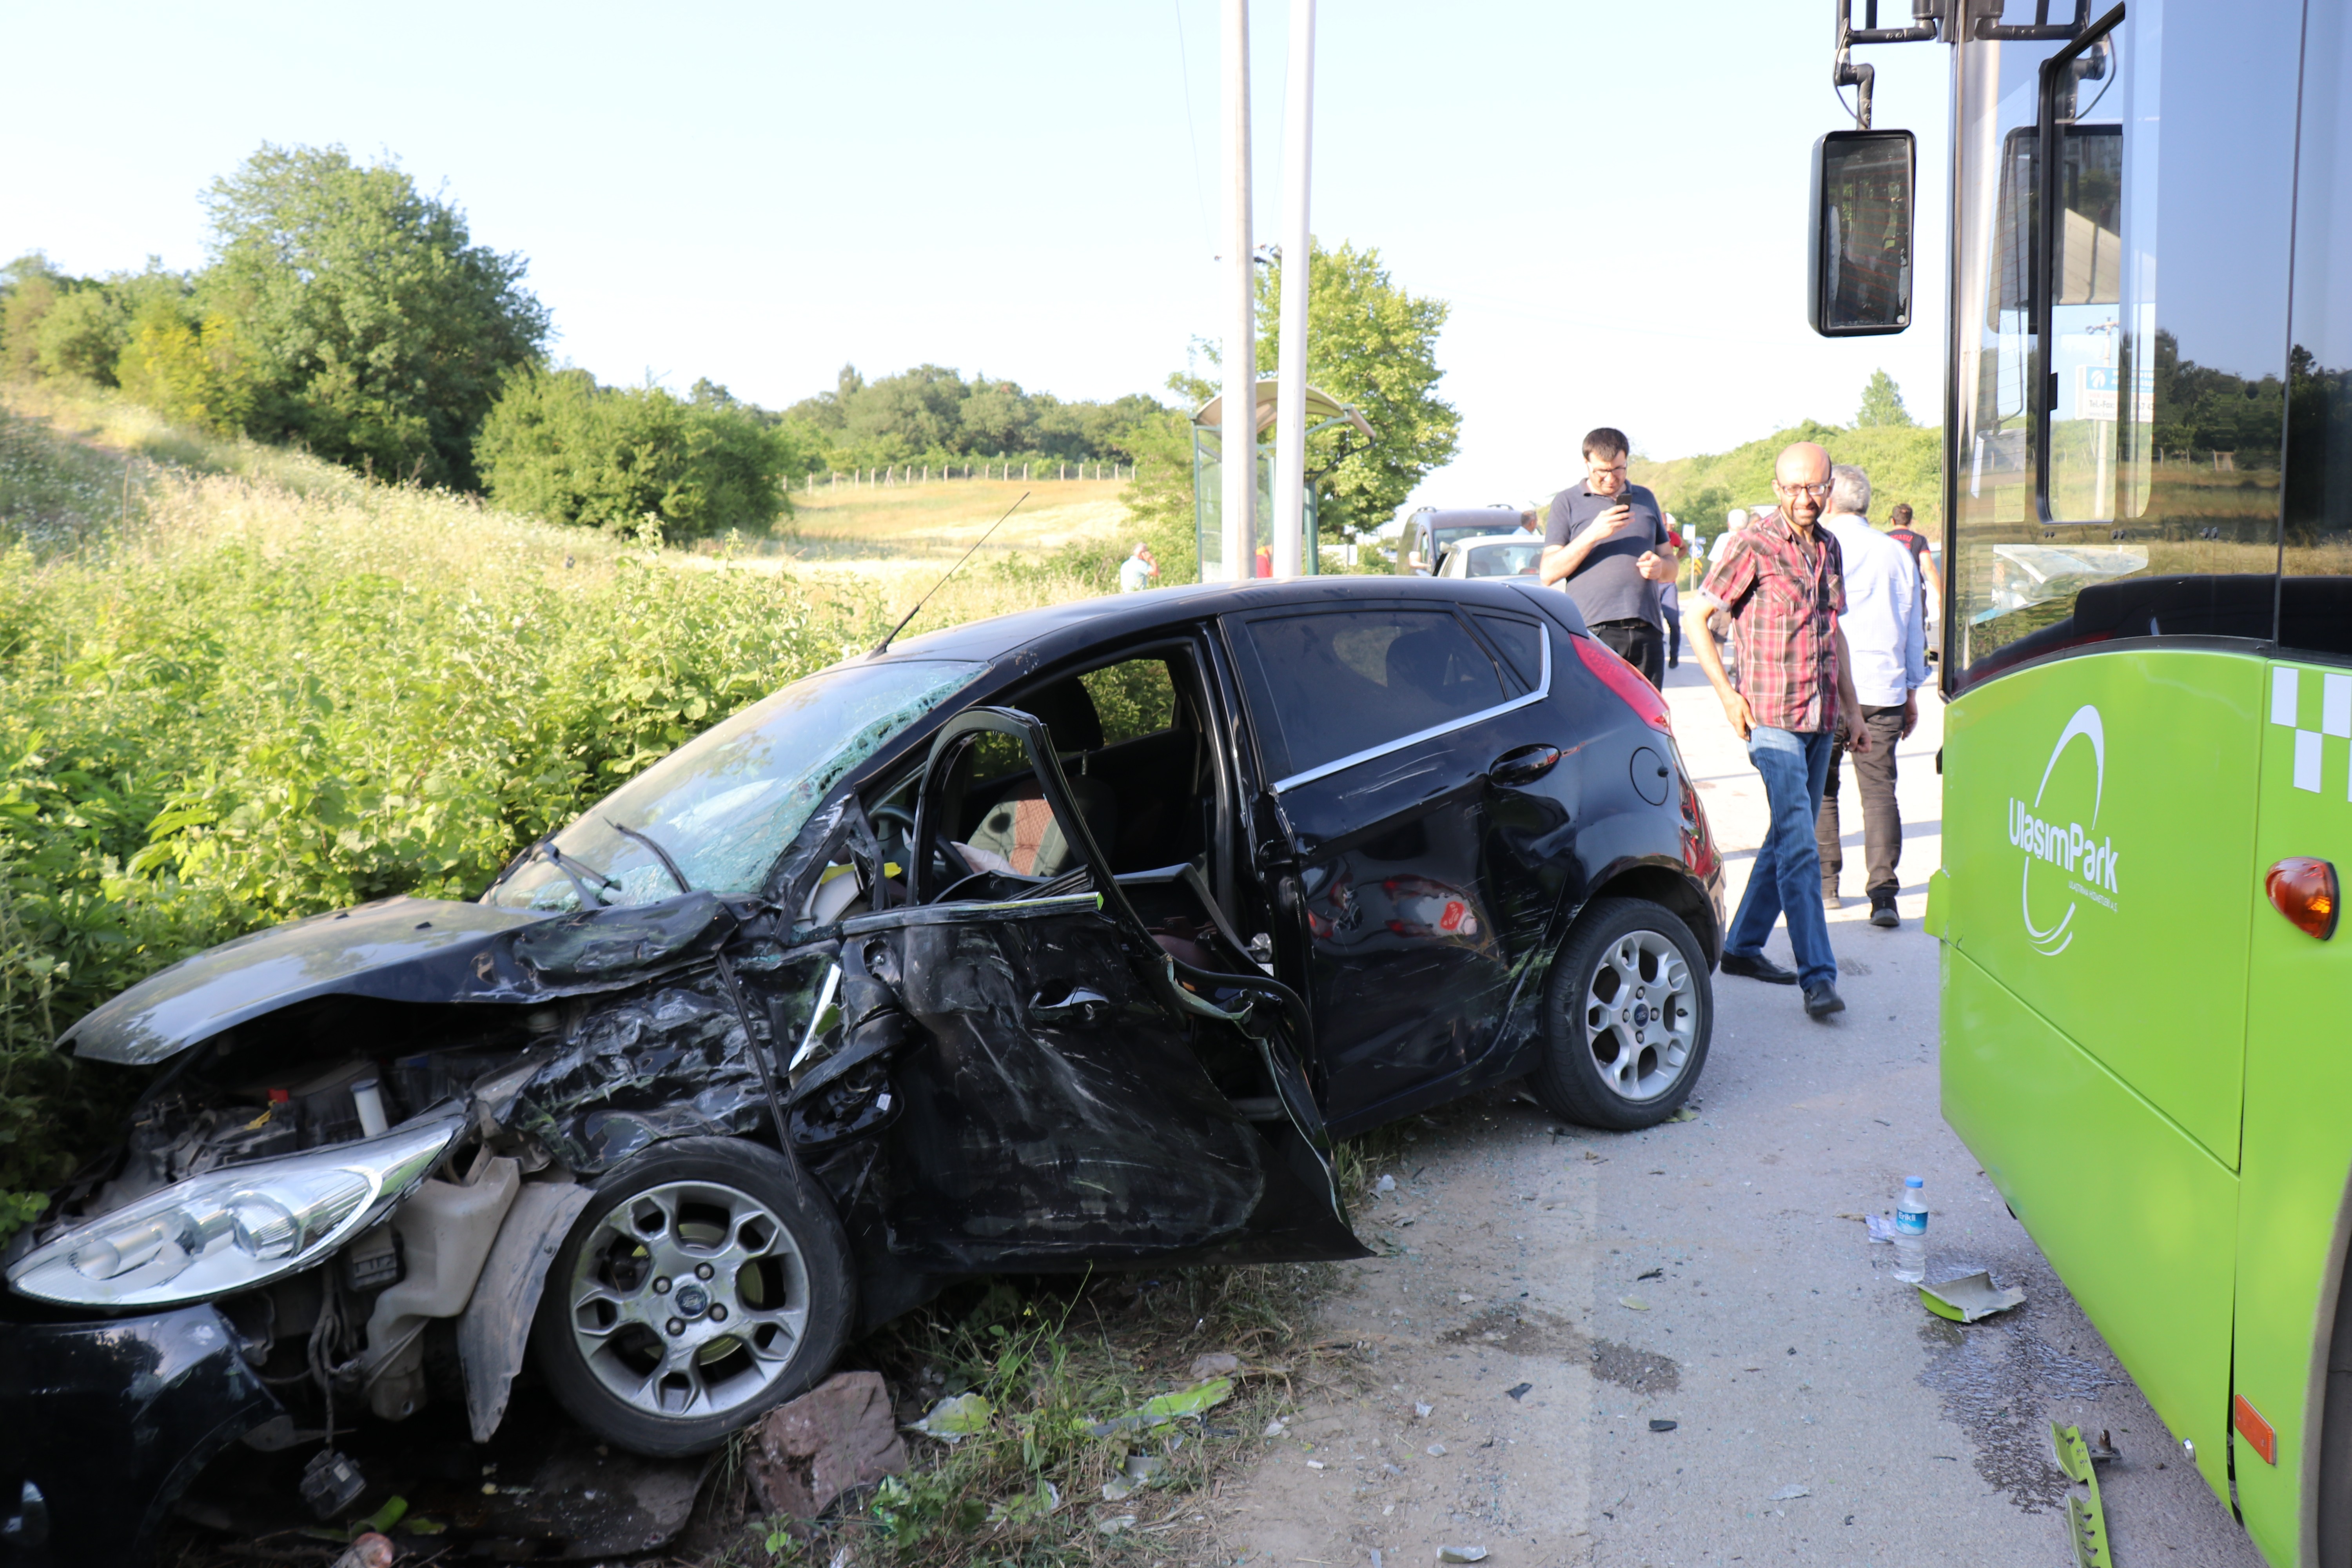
<point x="1237" y="434"/>
<point x="1290" y="373"/>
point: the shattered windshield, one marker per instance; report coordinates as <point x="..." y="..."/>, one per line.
<point x="727" y="802"/>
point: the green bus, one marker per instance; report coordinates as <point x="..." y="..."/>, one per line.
<point x="2147" y="651"/>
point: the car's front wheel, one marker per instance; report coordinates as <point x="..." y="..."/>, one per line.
<point x="706" y="1281"/>
<point x="1626" y="1018"/>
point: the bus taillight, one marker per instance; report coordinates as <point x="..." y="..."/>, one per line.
<point x="2305" y="893"/>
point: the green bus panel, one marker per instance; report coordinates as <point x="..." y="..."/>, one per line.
<point x="2098" y="824"/>
<point x="2298" y="1082"/>
<point x="2136" y="1218"/>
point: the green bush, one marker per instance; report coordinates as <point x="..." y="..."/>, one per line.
<point x="560" y="447"/>
<point x="251" y="705"/>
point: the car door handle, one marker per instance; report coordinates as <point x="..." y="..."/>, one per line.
<point x="1078" y="1004"/>
<point x="1524" y="766"/>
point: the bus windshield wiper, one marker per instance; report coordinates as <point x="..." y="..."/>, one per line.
<point x="660" y="854"/>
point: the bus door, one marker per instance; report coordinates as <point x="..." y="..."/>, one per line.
<point x="2292" y="1378"/>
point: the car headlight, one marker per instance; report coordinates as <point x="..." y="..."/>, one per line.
<point x="233" y="1229"/>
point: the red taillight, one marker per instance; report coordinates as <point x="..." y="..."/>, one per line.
<point x="2305" y="893"/>
<point x="1648" y="704"/>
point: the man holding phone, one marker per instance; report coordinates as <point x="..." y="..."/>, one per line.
<point x="1606" y="545"/>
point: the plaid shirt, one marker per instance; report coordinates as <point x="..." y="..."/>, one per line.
<point x="1784" y="600"/>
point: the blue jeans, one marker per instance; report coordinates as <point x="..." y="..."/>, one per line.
<point x="1787" y="876"/>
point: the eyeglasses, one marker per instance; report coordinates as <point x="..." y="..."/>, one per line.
<point x="1819" y="492"/>
<point x="1597" y="469"/>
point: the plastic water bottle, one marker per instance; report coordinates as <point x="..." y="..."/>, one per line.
<point x="1911" y="1233"/>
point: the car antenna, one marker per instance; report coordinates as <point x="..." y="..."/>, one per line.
<point x="884" y="646"/>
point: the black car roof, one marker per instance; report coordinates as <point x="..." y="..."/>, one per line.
<point x="1050" y="633"/>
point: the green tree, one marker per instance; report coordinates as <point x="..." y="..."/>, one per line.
<point x="561" y="447"/>
<point x="1882" y="403"/>
<point x="191" y="371"/>
<point x="1371" y="344"/>
<point x="380" y="331"/>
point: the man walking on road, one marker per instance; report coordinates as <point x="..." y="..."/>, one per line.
<point x="1884" y="629"/>
<point x="1781" y="581"/>
<point x="1608" y="540"/>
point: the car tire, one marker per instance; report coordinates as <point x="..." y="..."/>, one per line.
<point x="706" y="1281"/>
<point x="1619" y="1061"/>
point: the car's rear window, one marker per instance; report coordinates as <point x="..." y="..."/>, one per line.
<point x="1331" y="683"/>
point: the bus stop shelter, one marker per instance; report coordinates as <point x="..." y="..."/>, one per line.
<point x="1323" y="412"/>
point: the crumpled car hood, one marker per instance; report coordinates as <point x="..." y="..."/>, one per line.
<point x="399" y="950"/>
<point x="402" y="949"/>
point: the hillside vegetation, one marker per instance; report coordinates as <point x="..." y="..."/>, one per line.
<point x="1904" y="462"/>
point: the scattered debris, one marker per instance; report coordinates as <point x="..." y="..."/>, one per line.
<point x="369" y="1550"/>
<point x="1464" y="1296"/>
<point x="1882" y="1227"/>
<point x="1684" y="1114"/>
<point x="808" y="1451"/>
<point x="2087" y="1522"/>
<point x="1046" y="1498"/>
<point x="1276" y="1427"/>
<point x="1633" y="1303"/>
<point x="1215" y="1364"/>
<point x="1385" y="1184"/>
<point x="331" y="1483"/>
<point x="1163" y="1409"/>
<point x="1969" y="1298"/>
<point x="1422" y="1410"/>
<point x="1653" y="1274"/>
<point x="1664" y="1426"/>
<point x="954" y="1419"/>
<point x="1435" y="1450"/>
<point x="1116" y="1523"/>
<point x="1520" y="1392"/>
<point x="1462" y="1554"/>
<point x="1140" y="1470"/>
<point x="1790" y="1493"/>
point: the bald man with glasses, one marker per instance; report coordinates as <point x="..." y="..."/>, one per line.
<point x="1781" y="581"/>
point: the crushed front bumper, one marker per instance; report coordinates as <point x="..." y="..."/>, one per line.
<point x="103" y="1425"/>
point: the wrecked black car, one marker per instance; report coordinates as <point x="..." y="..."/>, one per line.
<point x="1059" y="940"/>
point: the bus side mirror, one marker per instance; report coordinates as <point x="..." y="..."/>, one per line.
<point x="1858" y="282"/>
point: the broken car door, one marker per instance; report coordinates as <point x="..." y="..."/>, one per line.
<point x="1070" y="1090"/>
<point x="1389" y="734"/>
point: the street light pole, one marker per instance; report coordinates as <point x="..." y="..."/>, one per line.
<point x="1237" y="436"/>
<point x="1290" y="374"/>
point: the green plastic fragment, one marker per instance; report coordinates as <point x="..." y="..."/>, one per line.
<point x="953" y="1420"/>
<point x="1163" y="1409"/>
<point x="2086" y="1521"/>
<point x="393" y="1511"/>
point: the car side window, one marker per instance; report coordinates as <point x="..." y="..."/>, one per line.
<point x="1133" y="698"/>
<point x="1520" y="642"/>
<point x="1331" y="683"/>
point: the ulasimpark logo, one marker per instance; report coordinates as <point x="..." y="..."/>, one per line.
<point x="2088" y="861"/>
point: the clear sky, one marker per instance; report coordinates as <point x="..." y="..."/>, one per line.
<point x="1611" y="198"/>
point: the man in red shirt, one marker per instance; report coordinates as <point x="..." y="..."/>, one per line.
<point x="1782" y="582"/>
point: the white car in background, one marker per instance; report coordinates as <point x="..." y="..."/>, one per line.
<point x="1514" y="554"/>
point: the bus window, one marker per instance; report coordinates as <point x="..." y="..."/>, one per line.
<point x="2317" y="563"/>
<point x="2125" y="481"/>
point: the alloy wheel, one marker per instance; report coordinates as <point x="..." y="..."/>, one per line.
<point x="688" y="1299"/>
<point x="1641" y="1015"/>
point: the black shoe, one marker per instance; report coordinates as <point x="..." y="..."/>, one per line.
<point x="1822" y="1000"/>
<point x="1881" y="912"/>
<point x="1758" y="968"/>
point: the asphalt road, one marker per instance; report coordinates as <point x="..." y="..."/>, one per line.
<point x="1549" y="1296"/>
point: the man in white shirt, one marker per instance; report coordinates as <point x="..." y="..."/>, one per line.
<point x="1135" y="573"/>
<point x="1886" y="639"/>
